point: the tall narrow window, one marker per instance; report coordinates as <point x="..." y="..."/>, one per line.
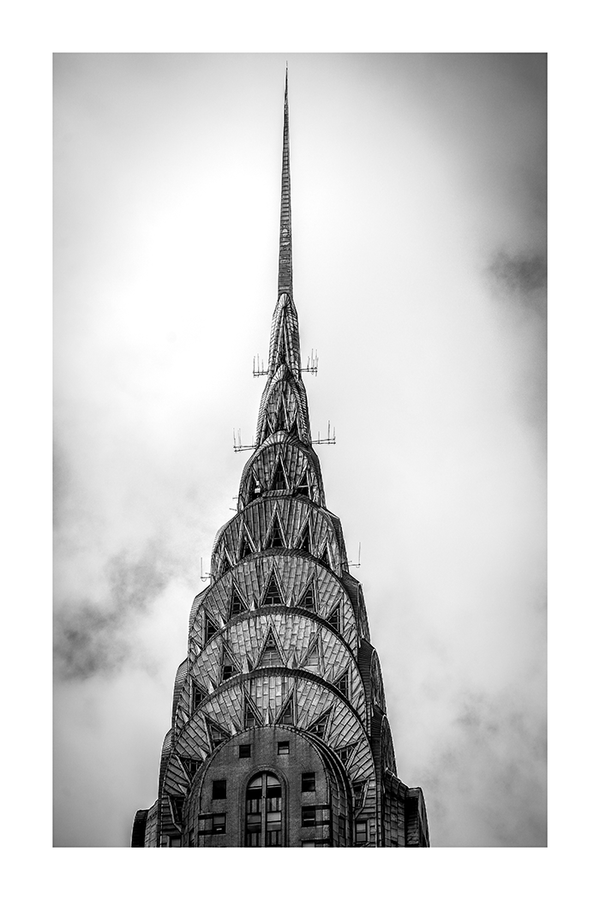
<point x="264" y="812"/>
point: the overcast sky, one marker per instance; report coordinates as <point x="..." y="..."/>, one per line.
<point x="418" y="198"/>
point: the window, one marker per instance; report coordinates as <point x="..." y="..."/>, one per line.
<point x="245" y="751"/>
<point x="190" y="765"/>
<point x="334" y="618"/>
<point x="276" y="538"/>
<point x="270" y="655"/>
<point x="287" y="714"/>
<point x="361" y="832"/>
<point x="303" y="489"/>
<point x="315" y="815"/>
<point x="198" y="695"/>
<point x="219" y="790"/>
<point x="210" y="628"/>
<point x="319" y="726"/>
<point x="237" y="604"/>
<point x="264" y="812"/>
<point x="245" y="548"/>
<point x="219" y="824"/>
<point x="308" y="781"/>
<point x="272" y="594"/>
<point x="357" y="788"/>
<point x="228" y="672"/>
<point x="308" y="597"/>
<point x="283" y="748"/>
<point x="177" y="808"/>
<point x="309" y="816"/>
<point x="215" y="824"/>
<point x="304" y="542"/>
<point x="342" y="684"/>
<point x="250" y="717"/>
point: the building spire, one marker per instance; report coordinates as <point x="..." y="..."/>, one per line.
<point x="285" y="225"/>
<point x="283" y="405"/>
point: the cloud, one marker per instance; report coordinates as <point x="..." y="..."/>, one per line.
<point x="486" y="784"/>
<point x="521" y="278"/>
<point x="93" y="638"/>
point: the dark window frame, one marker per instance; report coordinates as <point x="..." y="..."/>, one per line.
<point x="219" y="789"/>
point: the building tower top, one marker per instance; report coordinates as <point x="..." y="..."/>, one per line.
<point x="284" y="406"/>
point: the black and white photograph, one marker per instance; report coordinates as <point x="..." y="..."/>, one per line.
<point x="300" y="450"/>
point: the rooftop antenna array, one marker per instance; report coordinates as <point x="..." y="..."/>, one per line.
<point x="312" y="365"/>
<point x="330" y="439"/>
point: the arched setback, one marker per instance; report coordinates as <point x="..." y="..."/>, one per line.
<point x="295" y="573"/>
<point x="293" y="630"/>
<point x="245" y="533"/>
<point x="314" y="798"/>
<point x="301" y="465"/>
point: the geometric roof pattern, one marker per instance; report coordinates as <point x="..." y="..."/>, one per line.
<point x="279" y="639"/>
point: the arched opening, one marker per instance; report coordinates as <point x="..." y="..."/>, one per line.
<point x="264" y="812"/>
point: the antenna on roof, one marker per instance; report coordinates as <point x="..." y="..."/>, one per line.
<point x="356" y="565"/>
<point x="204" y="577"/>
<point x="237" y="442"/>
<point x="330" y="439"/>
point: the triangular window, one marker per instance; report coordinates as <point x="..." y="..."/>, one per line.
<point x="229" y="667"/>
<point x="319" y="726"/>
<point x="276" y="536"/>
<point x="311" y="660"/>
<point x="302" y="487"/>
<point x="225" y="565"/>
<point x="342" y="684"/>
<point x="272" y="593"/>
<point x="252" y="717"/>
<point x="190" y="765"/>
<point x="346" y="752"/>
<point x="245" y="546"/>
<point x="279" y="482"/>
<point x="304" y="542"/>
<point x="198" y="694"/>
<point x="216" y="734"/>
<point x="270" y="655"/>
<point x="325" y="556"/>
<point x="286" y="716"/>
<point x="237" y="602"/>
<point x="210" y="628"/>
<point x="307" y="600"/>
<point x="334" y="618"/>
